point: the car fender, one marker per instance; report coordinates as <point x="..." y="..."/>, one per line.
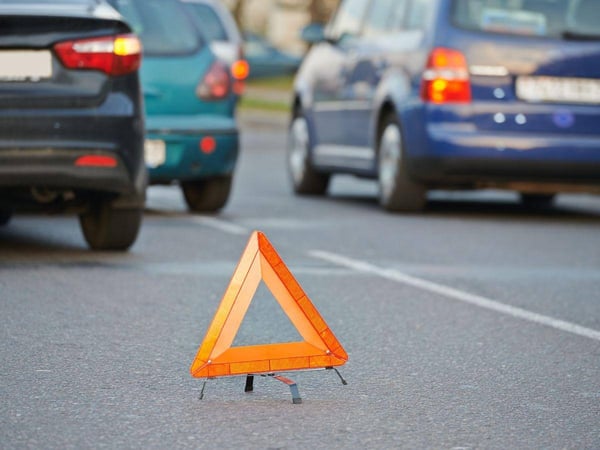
<point x="302" y="96"/>
<point x="392" y="94"/>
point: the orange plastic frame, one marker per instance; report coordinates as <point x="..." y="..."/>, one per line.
<point x="216" y="357"/>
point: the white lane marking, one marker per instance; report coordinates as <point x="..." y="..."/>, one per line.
<point x="482" y="302"/>
<point x="221" y="225"/>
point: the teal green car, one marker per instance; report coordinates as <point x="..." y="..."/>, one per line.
<point x="191" y="132"/>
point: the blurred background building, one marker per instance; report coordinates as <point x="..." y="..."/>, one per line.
<point x="280" y="21"/>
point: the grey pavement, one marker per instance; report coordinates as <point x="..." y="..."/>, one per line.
<point x="96" y="347"/>
<point x="257" y="119"/>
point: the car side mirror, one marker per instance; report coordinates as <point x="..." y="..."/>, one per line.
<point x="313" y="33"/>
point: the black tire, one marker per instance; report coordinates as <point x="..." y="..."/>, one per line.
<point x="537" y="201"/>
<point x="304" y="178"/>
<point x="207" y="195"/>
<point x="397" y="191"/>
<point x="5" y="216"/>
<point x="107" y="228"/>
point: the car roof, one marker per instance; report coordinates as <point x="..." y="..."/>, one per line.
<point x="62" y="8"/>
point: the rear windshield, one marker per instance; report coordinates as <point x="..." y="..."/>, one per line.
<point x="209" y="22"/>
<point x="545" y="18"/>
<point x="161" y="24"/>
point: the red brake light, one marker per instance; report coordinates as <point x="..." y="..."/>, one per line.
<point x="216" y="84"/>
<point x="96" y="161"/>
<point x="446" y="77"/>
<point x="113" y="55"/>
<point x="208" y="144"/>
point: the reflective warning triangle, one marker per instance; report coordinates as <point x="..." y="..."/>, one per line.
<point x="216" y="356"/>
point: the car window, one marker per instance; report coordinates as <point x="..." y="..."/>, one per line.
<point x="398" y="15"/>
<point x="379" y="15"/>
<point x="417" y="14"/>
<point x="348" y="19"/>
<point x="161" y="24"/>
<point x="211" y="25"/>
<point x="545" y="18"/>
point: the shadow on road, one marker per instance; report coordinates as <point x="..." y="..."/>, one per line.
<point x="492" y="209"/>
<point x="508" y="210"/>
<point x="14" y="238"/>
<point x="166" y="212"/>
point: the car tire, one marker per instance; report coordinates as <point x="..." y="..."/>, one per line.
<point x="537" y="201"/>
<point x="5" y="216"/>
<point x="303" y="176"/>
<point x="207" y="195"/>
<point x="397" y="191"/>
<point x="107" y="228"/>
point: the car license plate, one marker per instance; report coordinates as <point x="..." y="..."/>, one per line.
<point x="25" y="65"/>
<point x="559" y="90"/>
<point x="155" y="152"/>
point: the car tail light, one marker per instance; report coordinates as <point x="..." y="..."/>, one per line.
<point x="216" y="84"/>
<point x="113" y="55"/>
<point x="446" y="77"/>
<point x="96" y="161"/>
<point x="208" y="145"/>
<point x="240" y="70"/>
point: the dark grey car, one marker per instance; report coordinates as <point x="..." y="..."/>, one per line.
<point x="71" y="117"/>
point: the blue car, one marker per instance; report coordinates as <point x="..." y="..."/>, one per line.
<point x="451" y="94"/>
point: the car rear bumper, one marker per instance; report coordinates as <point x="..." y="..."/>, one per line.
<point x="457" y="154"/>
<point x="58" y="169"/>
<point x="185" y="159"/>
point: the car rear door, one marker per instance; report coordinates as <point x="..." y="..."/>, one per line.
<point x="364" y="67"/>
<point x="330" y="86"/>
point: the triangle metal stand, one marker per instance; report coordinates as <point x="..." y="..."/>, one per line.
<point x="296" y="399"/>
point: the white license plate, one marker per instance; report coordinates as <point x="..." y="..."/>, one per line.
<point x="25" y="65"/>
<point x="155" y="152"/>
<point x="559" y="90"/>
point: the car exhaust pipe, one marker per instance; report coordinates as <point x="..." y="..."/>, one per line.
<point x="44" y="195"/>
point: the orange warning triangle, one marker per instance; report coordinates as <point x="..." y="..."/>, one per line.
<point x="216" y="356"/>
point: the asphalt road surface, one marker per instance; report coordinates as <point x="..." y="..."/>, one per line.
<point x="473" y="325"/>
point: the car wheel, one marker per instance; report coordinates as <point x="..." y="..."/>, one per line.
<point x="305" y="179"/>
<point x="207" y="195"/>
<point x="107" y="228"/>
<point x="5" y="217"/>
<point x="537" y="200"/>
<point x="397" y="191"/>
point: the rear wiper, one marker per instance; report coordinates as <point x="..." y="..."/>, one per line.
<point x="578" y="36"/>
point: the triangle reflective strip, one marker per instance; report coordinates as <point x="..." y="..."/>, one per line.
<point x="216" y="357"/>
